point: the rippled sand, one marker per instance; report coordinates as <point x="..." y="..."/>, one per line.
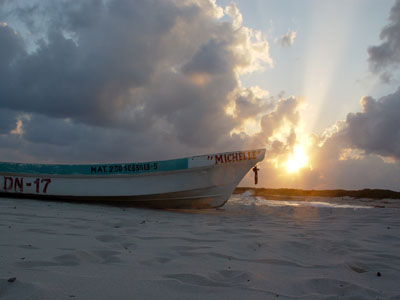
<point x="252" y="248"/>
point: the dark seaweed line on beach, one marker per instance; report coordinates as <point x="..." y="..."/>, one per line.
<point x="365" y="193"/>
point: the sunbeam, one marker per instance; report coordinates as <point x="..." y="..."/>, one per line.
<point x="327" y="42"/>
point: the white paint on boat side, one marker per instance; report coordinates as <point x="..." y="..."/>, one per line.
<point x="225" y="158"/>
<point x="214" y="175"/>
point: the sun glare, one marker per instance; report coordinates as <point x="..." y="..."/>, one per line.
<point x="297" y="160"/>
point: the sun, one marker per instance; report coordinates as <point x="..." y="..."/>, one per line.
<point x="297" y="160"/>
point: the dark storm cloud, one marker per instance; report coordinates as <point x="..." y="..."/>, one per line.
<point x="89" y="77"/>
<point x="377" y="128"/>
<point x="8" y="121"/>
<point x="374" y="130"/>
<point x="10" y="50"/>
<point x="127" y="77"/>
<point x="385" y="58"/>
<point x="212" y="58"/>
<point x="61" y="132"/>
<point x="54" y="140"/>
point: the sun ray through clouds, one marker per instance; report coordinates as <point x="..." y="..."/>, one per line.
<point x="327" y="42"/>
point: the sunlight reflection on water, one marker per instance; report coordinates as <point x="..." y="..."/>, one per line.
<point x="249" y="200"/>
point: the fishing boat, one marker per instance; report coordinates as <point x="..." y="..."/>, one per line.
<point x="205" y="181"/>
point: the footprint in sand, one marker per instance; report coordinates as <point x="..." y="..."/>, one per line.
<point x="224" y="278"/>
<point x="108" y="238"/>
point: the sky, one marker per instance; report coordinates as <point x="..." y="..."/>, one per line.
<point x="315" y="82"/>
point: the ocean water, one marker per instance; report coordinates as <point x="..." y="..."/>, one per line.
<point x="247" y="199"/>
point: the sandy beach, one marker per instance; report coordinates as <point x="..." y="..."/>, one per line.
<point x="251" y="248"/>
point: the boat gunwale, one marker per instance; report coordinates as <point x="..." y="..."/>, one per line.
<point x="77" y="175"/>
<point x="122" y="175"/>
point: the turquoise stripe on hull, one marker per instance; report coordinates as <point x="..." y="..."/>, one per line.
<point x="96" y="169"/>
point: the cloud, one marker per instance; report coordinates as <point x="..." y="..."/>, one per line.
<point x="95" y="80"/>
<point x="385" y="58"/>
<point x="232" y="11"/>
<point x="8" y="121"/>
<point x="287" y="39"/>
<point x="249" y="102"/>
<point x="11" y="47"/>
<point x="376" y="129"/>
<point x="285" y="113"/>
<point x="362" y="151"/>
<point x="373" y="131"/>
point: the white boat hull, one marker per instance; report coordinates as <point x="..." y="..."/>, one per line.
<point x="200" y="182"/>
